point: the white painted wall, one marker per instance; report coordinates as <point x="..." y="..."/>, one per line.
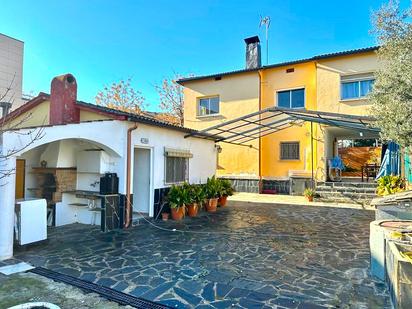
<point x="112" y="137"/>
<point x="201" y="166"/>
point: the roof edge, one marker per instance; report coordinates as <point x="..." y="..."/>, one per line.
<point x="182" y="81"/>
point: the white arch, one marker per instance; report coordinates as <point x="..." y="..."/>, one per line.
<point x="109" y="135"/>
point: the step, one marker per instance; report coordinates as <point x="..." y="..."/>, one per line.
<point x="351" y="196"/>
<point x="345" y="189"/>
<point x="343" y="200"/>
<point x="348" y="184"/>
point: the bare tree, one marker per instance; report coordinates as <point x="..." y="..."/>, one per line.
<point x="122" y="96"/>
<point x="8" y="125"/>
<point x="171" y="99"/>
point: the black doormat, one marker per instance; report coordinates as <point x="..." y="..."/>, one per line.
<point x="89" y="287"/>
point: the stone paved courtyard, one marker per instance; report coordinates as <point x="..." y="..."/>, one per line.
<point x="247" y="255"/>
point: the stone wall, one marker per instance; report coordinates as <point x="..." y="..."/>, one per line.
<point x="251" y="185"/>
<point x="244" y="184"/>
<point x="278" y="186"/>
<point x="398" y="276"/>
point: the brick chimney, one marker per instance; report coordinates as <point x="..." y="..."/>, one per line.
<point x="253" y="59"/>
<point x="63" y="96"/>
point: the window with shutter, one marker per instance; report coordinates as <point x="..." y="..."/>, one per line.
<point x="289" y="151"/>
<point x="176" y="165"/>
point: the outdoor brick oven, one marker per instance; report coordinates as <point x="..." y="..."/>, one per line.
<point x="53" y="181"/>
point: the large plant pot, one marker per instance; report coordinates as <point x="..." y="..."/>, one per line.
<point x="309" y="198"/>
<point x="211" y="205"/>
<point x="178" y="213"/>
<point x="192" y="210"/>
<point x="222" y="201"/>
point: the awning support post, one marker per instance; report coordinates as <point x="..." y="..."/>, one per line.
<point x="311" y="154"/>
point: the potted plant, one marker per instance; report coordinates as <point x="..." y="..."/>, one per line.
<point x="390" y="185"/>
<point x="177" y="198"/>
<point x="212" y="194"/>
<point x="202" y="197"/>
<point x="226" y="190"/>
<point x="309" y="194"/>
<point x="165" y="216"/>
<point x="192" y="199"/>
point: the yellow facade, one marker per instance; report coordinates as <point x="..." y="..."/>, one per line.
<point x="239" y="96"/>
<point x="39" y="115"/>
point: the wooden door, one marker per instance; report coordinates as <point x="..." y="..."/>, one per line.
<point x="20" y="172"/>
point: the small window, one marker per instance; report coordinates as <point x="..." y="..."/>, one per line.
<point x="291" y="98"/>
<point x="177" y="170"/>
<point x="208" y="106"/>
<point x="289" y="151"/>
<point x="176" y="165"/>
<point x="356" y="86"/>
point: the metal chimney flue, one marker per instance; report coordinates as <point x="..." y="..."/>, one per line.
<point x="253" y="57"/>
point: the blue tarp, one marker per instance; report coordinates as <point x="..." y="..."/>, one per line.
<point x="336" y="162"/>
<point x="391" y="164"/>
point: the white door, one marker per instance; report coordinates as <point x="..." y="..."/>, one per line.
<point x="141" y="180"/>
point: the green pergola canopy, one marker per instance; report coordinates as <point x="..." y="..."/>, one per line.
<point x="242" y="130"/>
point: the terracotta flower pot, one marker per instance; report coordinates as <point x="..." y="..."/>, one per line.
<point x="222" y="201"/>
<point x="211" y="205"/>
<point x="309" y="198"/>
<point x="178" y="213"/>
<point x="165" y="216"/>
<point x="192" y="210"/>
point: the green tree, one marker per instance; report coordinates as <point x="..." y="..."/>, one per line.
<point x="391" y="97"/>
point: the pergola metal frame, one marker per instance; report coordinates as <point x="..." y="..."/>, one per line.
<point x="242" y="130"/>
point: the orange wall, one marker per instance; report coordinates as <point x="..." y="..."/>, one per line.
<point x="273" y="80"/>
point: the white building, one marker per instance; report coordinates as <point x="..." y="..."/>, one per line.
<point x="11" y="70"/>
<point x="63" y="147"/>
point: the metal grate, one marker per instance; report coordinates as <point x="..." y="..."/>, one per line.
<point x="108" y="293"/>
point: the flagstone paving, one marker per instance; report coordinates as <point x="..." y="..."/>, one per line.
<point x="246" y="255"/>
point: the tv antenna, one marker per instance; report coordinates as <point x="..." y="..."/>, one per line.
<point x="265" y="21"/>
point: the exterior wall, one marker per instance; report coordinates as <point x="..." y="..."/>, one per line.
<point x="239" y="95"/>
<point x="90" y="116"/>
<point x="273" y="80"/>
<point x="37" y="116"/>
<point x="201" y="166"/>
<point x="328" y="77"/>
<point x="40" y="115"/>
<point x="113" y="140"/>
<point x="11" y="69"/>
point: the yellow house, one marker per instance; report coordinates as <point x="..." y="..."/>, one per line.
<point x="337" y="82"/>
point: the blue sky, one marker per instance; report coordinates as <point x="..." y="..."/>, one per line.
<point x="103" y="41"/>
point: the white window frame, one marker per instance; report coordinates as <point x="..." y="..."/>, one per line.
<point x="290" y="100"/>
<point x="289" y="142"/>
<point x="198" y="115"/>
<point x="360" y="78"/>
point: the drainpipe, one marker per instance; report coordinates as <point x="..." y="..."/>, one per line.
<point x="260" y="139"/>
<point x="128" y="176"/>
